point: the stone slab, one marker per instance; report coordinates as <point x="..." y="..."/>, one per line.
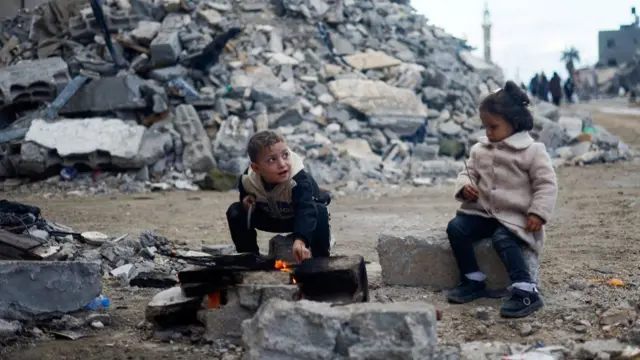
<point x="198" y="150"/>
<point x="107" y="94"/>
<point x="166" y="48"/>
<point x="40" y="290"/>
<point x="375" y="98"/>
<point x="315" y="330"/>
<point x="85" y="136"/>
<point x="422" y="257"/>
<point x="33" y="80"/>
<point x="371" y="60"/>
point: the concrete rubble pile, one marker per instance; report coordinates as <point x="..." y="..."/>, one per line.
<point x="38" y="254"/>
<point x="363" y="91"/>
<point x="179" y="104"/>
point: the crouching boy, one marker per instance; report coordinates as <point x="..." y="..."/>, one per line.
<point x="282" y="198"/>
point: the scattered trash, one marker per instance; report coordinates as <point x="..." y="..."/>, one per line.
<point x="101" y="302"/>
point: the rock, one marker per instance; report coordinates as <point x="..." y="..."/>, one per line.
<point x="547" y="110"/>
<point x="358" y="148"/>
<point x="357" y="331"/>
<point x="449" y="128"/>
<point x="70" y="285"/>
<point x="419" y="257"/>
<point x="112" y="136"/>
<point x="125" y="94"/>
<point x="618" y="316"/>
<point x="197" y="156"/>
<point x="9" y="329"/>
<point x="371" y="60"/>
<point x="382" y="102"/>
<point x="572" y="126"/>
<point x="146" y="31"/>
<point x="171" y="307"/>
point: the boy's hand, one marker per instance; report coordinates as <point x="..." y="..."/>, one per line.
<point x="534" y="223"/>
<point x="300" y="251"/>
<point x="470" y="192"/>
<point x="248" y="201"/>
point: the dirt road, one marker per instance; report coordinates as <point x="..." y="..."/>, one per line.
<point x="593" y="236"/>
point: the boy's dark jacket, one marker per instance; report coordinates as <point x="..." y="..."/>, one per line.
<point x="293" y="199"/>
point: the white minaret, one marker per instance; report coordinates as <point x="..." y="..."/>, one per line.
<point x="486" y="27"/>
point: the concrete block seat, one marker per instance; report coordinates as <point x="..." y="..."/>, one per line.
<point x="422" y="257"/>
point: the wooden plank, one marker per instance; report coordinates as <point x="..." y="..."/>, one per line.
<point x="20" y="242"/>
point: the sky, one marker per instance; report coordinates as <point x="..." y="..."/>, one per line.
<point x="529" y="38"/>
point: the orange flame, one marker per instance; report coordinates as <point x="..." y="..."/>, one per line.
<point x="213" y="300"/>
<point x="285" y="267"/>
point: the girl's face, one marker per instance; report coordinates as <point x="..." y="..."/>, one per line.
<point x="496" y="126"/>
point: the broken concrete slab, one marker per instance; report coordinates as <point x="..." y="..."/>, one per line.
<point x="146" y="31"/>
<point x="385" y="105"/>
<point x="86" y="136"/>
<point x="171" y="306"/>
<point x="198" y="150"/>
<point x="421" y="257"/>
<point x="572" y="126"/>
<point x="33" y="81"/>
<point x="107" y="94"/>
<point x="39" y="290"/>
<point x="359" y="331"/>
<point x="371" y="60"/>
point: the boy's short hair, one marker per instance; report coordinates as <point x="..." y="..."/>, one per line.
<point x="262" y="140"/>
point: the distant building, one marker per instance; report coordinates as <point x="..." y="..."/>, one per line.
<point x="619" y="46"/>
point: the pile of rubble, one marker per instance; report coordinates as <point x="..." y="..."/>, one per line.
<point x="170" y="97"/>
<point x="362" y="90"/>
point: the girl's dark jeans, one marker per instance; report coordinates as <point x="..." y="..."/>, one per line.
<point x="464" y="230"/>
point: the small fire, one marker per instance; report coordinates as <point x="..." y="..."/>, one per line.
<point x="285" y="267"/>
<point x="214" y="300"/>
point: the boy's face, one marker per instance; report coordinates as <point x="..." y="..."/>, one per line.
<point x="496" y="127"/>
<point x="274" y="163"/>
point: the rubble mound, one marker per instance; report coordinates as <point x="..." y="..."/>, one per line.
<point x="362" y="90"/>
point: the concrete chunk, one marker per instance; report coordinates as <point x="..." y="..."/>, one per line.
<point x="386" y="106"/>
<point x="146" y="31"/>
<point x="39" y="290"/>
<point x="105" y="95"/>
<point x="198" y="152"/>
<point x="86" y="136"/>
<point x="33" y="81"/>
<point x="371" y="60"/>
<point x="319" y="331"/>
<point x="166" y="48"/>
<point x="419" y="257"/>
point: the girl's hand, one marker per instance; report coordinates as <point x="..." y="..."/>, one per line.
<point x="534" y="223"/>
<point x="300" y="251"/>
<point x="470" y="192"/>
